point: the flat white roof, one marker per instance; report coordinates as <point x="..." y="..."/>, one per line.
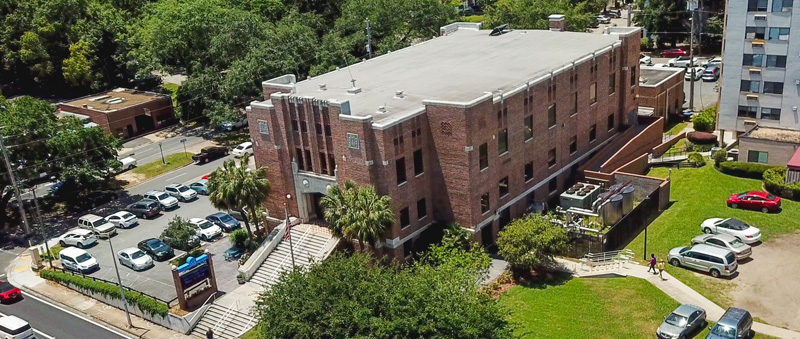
<point x="459" y="67"/>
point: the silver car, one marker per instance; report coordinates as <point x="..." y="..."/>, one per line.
<point x="714" y="260"/>
<point x="682" y="322"/>
<point x="725" y="241"/>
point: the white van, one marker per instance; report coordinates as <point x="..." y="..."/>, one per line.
<point x="12" y="327"/>
<point x="127" y="163"/>
<point x="76" y="259"/>
<point x="100" y="226"/>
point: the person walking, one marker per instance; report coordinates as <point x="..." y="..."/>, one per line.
<point x="660" y="267"/>
<point x="210" y="334"/>
<point x="652" y="263"/>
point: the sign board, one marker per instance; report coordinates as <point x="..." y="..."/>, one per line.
<point x="195" y="276"/>
<point x="691" y="5"/>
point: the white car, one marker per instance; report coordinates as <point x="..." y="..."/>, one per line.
<point x="645" y="60"/>
<point x="134" y="258"/>
<point x="206" y="229"/>
<point x="697" y="74"/>
<point x="16" y="328"/>
<point x="681" y="61"/>
<point x="603" y="19"/>
<point x="181" y="192"/>
<point x="660" y="65"/>
<point x="163" y="198"/>
<point x="123" y="219"/>
<point x="715" y="61"/>
<point x="242" y="149"/>
<point x="78" y="237"/>
<point x="735" y="227"/>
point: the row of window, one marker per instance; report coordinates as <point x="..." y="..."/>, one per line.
<point x="757" y="156"/>
<point x="318" y="128"/>
<point x="757" y="60"/>
<point x="775" y="33"/>
<point x="766" y="113"/>
<point x="754" y="86"/>
<point x="405" y="216"/>
<point x="762" y="5"/>
<point x="327" y="162"/>
<point x="400" y="167"/>
<point x="485" y="203"/>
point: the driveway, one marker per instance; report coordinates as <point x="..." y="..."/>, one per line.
<point x="768" y="286"/>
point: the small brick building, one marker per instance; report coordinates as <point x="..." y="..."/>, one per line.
<point x="124" y="113"/>
<point x="768" y="145"/>
<point x="469" y="127"/>
<point x="661" y="91"/>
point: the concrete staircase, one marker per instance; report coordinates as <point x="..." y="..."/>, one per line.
<point x="228" y="322"/>
<point x="310" y="242"/>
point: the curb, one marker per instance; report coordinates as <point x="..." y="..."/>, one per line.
<point x="158" y="176"/>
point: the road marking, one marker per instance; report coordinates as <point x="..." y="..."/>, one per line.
<point x="177" y="176"/>
<point x="19" y="269"/>
<point x="37" y="331"/>
<point x="2" y="275"/>
<point x="28" y="295"/>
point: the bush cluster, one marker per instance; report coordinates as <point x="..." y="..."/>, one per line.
<point x="720" y="156"/>
<point x="744" y="169"/>
<point x="706" y="121"/>
<point x="704" y="138"/>
<point x="238" y="237"/>
<point x="775" y="182"/>
<point x="697" y="159"/>
<point x="54" y="251"/>
<point x="690" y="147"/>
<point x="147" y="304"/>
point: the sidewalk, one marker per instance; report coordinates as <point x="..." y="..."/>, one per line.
<point x="678" y="291"/>
<point x="20" y="275"/>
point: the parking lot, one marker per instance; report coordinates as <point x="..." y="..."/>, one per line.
<point x="706" y="93"/>
<point x="157" y="280"/>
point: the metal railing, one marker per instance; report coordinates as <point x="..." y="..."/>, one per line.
<point x="201" y="306"/>
<point x="225" y="316"/>
<point x="247" y="326"/>
<point x="278" y="270"/>
<point x="81" y="274"/>
<point x="607" y="260"/>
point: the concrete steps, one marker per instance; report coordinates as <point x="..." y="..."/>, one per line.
<point x="236" y="322"/>
<point x="310" y="242"/>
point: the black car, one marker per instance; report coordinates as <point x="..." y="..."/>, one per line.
<point x="156" y="249"/>
<point x="210" y="153"/>
<point x="224" y="220"/>
<point x="144" y="208"/>
<point x="94" y="199"/>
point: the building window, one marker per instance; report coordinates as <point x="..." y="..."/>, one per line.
<point x="757" y="156"/>
<point x="573" y="145"/>
<point x="263" y="126"/>
<point x="318" y="129"/>
<point x="779" y="33"/>
<point x="303" y="127"/>
<point x="778" y="61"/>
<point x="483" y="155"/>
<point x="593" y="93"/>
<point x="593" y="133"/>
<point x="327" y="130"/>
<point x="485" y="203"/>
<point x="528" y="171"/>
<point x="551" y="158"/>
<point x="750" y="86"/>
<point x="755" y="60"/>
<point x="612" y="83"/>
<point x="633" y="76"/>
<point x="422" y="209"/>
<point x="418" y="165"/>
<point x="398" y="141"/>
<point x="782" y="5"/>
<point x="611" y="121"/>
<point x="573" y="103"/>
<point x="323" y="163"/>
<point x="400" y="168"/>
<point x="352" y="141"/>
<point x="503" y="187"/>
<point x="405" y="220"/>
<point x="502" y="141"/>
<point x="754" y="33"/>
<point x="756" y="5"/>
<point x="294" y="125"/>
<point x="408" y="248"/>
<point x="551" y="115"/>
<point x="300" y="159"/>
<point x="528" y="127"/>
<point x="773" y="87"/>
<point x="748" y="111"/>
<point x="553" y="185"/>
<point x="771" y="113"/>
<point x="309" y="164"/>
<point x="332" y="163"/>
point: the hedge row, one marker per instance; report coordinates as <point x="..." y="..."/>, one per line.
<point x="744" y="169"/>
<point x="775" y="182"/>
<point x="146" y="304"/>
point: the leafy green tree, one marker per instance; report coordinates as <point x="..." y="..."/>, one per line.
<point x="529" y="243"/>
<point x="357" y="213"/>
<point x="533" y="14"/>
<point x="667" y="19"/>
<point x="354" y="297"/>
<point x="234" y="187"/>
<point x="458" y="251"/>
<point x="179" y="233"/>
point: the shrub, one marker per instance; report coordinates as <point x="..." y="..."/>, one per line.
<point x="54" y="251"/>
<point x="238" y="237"/>
<point x="703" y="138"/>
<point x="744" y="169"/>
<point x="775" y="182"/>
<point x="147" y="304"/>
<point x="530" y="243"/>
<point x="697" y="159"/>
<point x="692" y="147"/>
<point x="178" y="233"/>
<point x="705" y="121"/>
<point x="720" y="156"/>
<point x="645" y="44"/>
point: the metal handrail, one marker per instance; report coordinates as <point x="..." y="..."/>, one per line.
<point x="246" y="326"/>
<point x="225" y="316"/>
<point x="280" y="266"/>
<point x="201" y="306"/>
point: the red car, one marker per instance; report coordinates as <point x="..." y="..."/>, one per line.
<point x="755" y="200"/>
<point x="674" y="53"/>
<point x="8" y="292"/>
<point x="205" y="177"/>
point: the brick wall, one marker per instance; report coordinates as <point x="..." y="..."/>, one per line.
<point x="665" y="98"/>
<point x="779" y="153"/>
<point x="664" y="147"/>
<point x="642" y="143"/>
<point x="116" y="122"/>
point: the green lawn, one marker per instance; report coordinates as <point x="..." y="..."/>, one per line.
<point x="676" y="128"/>
<point x="698" y="194"/>
<point x="157" y="168"/>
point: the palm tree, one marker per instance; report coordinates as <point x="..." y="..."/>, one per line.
<point x="357" y="213"/>
<point x="233" y="187"/>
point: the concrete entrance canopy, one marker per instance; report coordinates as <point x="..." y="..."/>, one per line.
<point x="307" y="183"/>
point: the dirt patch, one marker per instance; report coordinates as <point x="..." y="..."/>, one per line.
<point x="769" y="283"/>
<point x="130" y="178"/>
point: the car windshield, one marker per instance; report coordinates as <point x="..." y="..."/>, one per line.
<point x="83" y="257"/>
<point x="741" y="195"/>
<point x="676" y="320"/>
<point x="5" y="287"/>
<point x="126" y="215"/>
<point x="683" y="250"/>
<point x="736" y="224"/>
<point x="183" y="188"/>
<point x="736" y="243"/>
<point x="153" y="243"/>
<point x="162" y="196"/>
<point x="137" y="254"/>
<point x="240" y="147"/>
<point x="226" y="218"/>
<point x="98" y="223"/>
<point x="770" y="196"/>
<point x="724" y="331"/>
<point x="204" y="224"/>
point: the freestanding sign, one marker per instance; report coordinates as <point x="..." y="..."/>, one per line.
<point x="194" y="281"/>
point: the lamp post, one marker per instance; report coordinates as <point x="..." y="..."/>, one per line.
<point x="289" y="228"/>
<point x="162" y="153"/>
<point x="183" y="141"/>
<point x="41" y="227"/>
<point x="119" y="281"/>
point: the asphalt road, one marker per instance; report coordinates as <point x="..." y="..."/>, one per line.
<point x="49" y="321"/>
<point x="706" y="93"/>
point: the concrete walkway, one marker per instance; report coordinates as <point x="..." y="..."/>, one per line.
<point x="675" y="289"/>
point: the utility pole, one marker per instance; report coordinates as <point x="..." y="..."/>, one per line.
<point x="183" y="141"/>
<point x="691" y="60"/>
<point x="13" y="180"/>
<point x="119" y="281"/>
<point x="369" y="40"/>
<point x="630" y="13"/>
<point x="162" y="153"/>
<point x="41" y="227"/>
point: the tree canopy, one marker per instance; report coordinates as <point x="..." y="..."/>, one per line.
<point x="235" y="187"/>
<point x="529" y="243"/>
<point x="533" y="14"/>
<point x="357" y="213"/>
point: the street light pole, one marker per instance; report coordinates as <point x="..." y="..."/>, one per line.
<point x="183" y="141"/>
<point x="162" y="154"/>
<point x="691" y="62"/>
<point x="119" y="281"/>
<point x="41" y="227"/>
<point x="13" y="180"/>
<point x="288" y="228"/>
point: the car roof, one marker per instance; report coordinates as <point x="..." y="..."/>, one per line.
<point x="686" y="310"/>
<point x="91" y="217"/>
<point x="201" y="181"/>
<point x="129" y="250"/>
<point x="758" y="194"/>
<point x="12" y="322"/>
<point x="710" y="250"/>
<point x="72" y="251"/>
<point x="246" y="143"/>
<point x="154" y="192"/>
<point x="197" y="220"/>
<point x="174" y="185"/>
<point x="732" y="316"/>
<point x="121" y="213"/>
<point x="82" y="231"/>
<point x="219" y="214"/>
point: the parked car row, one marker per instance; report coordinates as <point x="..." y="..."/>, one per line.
<point x="719" y="249"/>
<point x="688" y="320"/>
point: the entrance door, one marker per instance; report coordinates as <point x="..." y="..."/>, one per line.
<point x="486" y="236"/>
<point x="144" y="123"/>
<point x="130" y="131"/>
<point x="318" y="210"/>
<point x="505" y="218"/>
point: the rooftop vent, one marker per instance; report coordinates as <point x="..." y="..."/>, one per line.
<point x="119" y="90"/>
<point x="399" y="94"/>
<point x="499" y="30"/>
<point x="113" y="101"/>
<point x="557" y="22"/>
<point x="381" y="109"/>
<point x="323" y="87"/>
<point x="99" y="98"/>
<point x="354" y="90"/>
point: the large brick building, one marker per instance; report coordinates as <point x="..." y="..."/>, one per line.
<point x="470" y="127"/>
